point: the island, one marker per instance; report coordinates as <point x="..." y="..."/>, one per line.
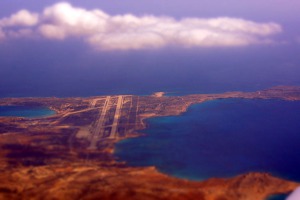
<point x="69" y="155"/>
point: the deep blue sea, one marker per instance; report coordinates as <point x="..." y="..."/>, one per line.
<point x="221" y="138"/>
<point x="25" y="111"/>
<point x="278" y="197"/>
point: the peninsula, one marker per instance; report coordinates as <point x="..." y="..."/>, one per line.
<point x="70" y="155"/>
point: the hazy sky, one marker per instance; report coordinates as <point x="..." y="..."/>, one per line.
<point x="265" y="10"/>
<point x="133" y="45"/>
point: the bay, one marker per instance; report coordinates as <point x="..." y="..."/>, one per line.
<point x="25" y="111"/>
<point x="221" y="138"/>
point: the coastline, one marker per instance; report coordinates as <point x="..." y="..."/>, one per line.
<point x="157" y="147"/>
<point x="59" y="153"/>
<point x="26" y="111"/>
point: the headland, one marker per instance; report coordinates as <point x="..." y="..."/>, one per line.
<point x="70" y="155"/>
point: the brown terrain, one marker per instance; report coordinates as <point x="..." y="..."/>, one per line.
<point x="70" y="155"/>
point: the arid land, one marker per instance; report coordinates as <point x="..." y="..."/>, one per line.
<point x="70" y="155"/>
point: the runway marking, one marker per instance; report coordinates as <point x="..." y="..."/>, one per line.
<point x="113" y="133"/>
<point x="98" y="130"/>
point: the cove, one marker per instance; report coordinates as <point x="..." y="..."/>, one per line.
<point x="221" y="138"/>
<point x="25" y="111"/>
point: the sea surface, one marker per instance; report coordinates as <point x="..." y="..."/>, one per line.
<point x="221" y="138"/>
<point x="25" y="111"/>
<point x="278" y="197"/>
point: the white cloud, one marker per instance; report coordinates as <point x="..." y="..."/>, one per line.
<point x="63" y="20"/>
<point x="295" y="195"/>
<point x="13" y="26"/>
<point x="52" y="31"/>
<point x="21" y="18"/>
<point x="121" y="32"/>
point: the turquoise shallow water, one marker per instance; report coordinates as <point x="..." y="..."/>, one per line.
<point x="25" y="111"/>
<point x="221" y="138"/>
